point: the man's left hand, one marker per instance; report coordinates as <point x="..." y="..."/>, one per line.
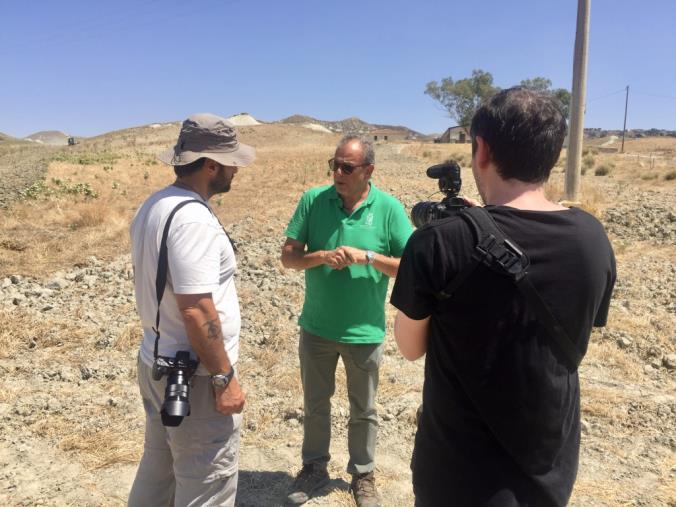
<point x="354" y="255"/>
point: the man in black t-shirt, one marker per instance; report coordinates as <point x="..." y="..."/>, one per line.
<point x="500" y="424"/>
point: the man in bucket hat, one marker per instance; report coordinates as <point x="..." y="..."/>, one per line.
<point x="184" y="264"/>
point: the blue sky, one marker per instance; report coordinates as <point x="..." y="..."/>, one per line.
<point x="87" y="67"/>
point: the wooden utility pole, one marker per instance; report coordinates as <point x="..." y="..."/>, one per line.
<point x="624" y="129"/>
<point x="572" y="186"/>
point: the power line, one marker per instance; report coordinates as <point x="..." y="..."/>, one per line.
<point x="607" y="95"/>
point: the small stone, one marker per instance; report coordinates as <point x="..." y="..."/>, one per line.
<point x="15" y="279"/>
<point x="585" y="426"/>
<point x="90" y="280"/>
<point x="623" y="342"/>
<point x="6" y="282"/>
<point x="669" y="361"/>
<point x="57" y="284"/>
<point x="654" y="351"/>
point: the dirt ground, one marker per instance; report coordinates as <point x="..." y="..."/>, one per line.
<point x="71" y="421"/>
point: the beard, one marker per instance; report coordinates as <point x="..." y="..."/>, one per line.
<point x="221" y="183"/>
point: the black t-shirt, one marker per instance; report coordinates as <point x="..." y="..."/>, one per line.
<point x="501" y="409"/>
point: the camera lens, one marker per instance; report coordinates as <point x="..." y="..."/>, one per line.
<point x="176" y="405"/>
<point x="423" y="213"/>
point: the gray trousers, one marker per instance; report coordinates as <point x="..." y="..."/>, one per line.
<point x="193" y="464"/>
<point x="318" y="361"/>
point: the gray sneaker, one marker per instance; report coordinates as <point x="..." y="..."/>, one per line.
<point x="311" y="478"/>
<point x="364" y="490"/>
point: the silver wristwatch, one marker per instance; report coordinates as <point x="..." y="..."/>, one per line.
<point x="221" y="380"/>
<point x="370" y="256"/>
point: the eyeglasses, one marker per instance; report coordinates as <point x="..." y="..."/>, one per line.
<point x="346" y="168"/>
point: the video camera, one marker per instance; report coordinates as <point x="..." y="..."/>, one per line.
<point x="448" y="175"/>
<point x="179" y="370"/>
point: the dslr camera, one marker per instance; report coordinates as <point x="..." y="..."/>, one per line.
<point x="178" y="369"/>
<point x="448" y="175"/>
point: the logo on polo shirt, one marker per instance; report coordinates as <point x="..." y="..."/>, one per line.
<point x="369" y="220"/>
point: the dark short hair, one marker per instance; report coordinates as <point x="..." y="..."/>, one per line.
<point x="524" y="130"/>
<point x="187" y="169"/>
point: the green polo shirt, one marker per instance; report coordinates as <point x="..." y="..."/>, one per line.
<point x="348" y="305"/>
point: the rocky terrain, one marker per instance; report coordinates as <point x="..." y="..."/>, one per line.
<point x="71" y="422"/>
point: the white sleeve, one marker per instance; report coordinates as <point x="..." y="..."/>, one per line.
<point x="194" y="257"/>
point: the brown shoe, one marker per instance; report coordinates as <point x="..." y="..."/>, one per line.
<point x="309" y="480"/>
<point x="364" y="490"/>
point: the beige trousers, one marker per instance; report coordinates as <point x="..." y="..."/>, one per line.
<point x="193" y="464"/>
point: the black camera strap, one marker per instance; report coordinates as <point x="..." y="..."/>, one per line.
<point x="503" y="256"/>
<point x="163" y="263"/>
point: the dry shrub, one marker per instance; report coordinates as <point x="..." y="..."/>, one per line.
<point x="436" y="153"/>
<point x="593" y="199"/>
<point x="90" y="214"/>
<point x="602" y="170"/>
<point x="588" y="162"/>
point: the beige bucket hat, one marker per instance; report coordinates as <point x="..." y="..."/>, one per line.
<point x="210" y="136"/>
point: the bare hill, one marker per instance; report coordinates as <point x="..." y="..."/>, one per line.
<point x="351" y="125"/>
<point x="53" y="137"/>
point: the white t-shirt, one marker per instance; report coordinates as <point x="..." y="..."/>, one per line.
<point x="200" y="260"/>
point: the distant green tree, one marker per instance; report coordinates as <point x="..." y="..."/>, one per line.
<point x="463" y="97"/>
<point x="542" y="84"/>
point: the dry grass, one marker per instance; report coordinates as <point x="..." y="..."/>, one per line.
<point x="666" y="487"/>
<point x="610" y="356"/>
<point x="60" y="229"/>
<point x="9" y="394"/>
<point x="592" y="198"/>
<point x="105" y="447"/>
<point x="437" y="153"/>
<point x="605" y="491"/>
<point x="603" y="403"/>
<point x="20" y="332"/>
<point x="129" y="339"/>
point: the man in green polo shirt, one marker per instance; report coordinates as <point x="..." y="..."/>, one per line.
<point x="348" y="237"/>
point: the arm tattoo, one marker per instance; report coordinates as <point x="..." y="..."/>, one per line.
<point x="214" y="329"/>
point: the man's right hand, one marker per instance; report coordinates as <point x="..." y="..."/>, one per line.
<point x="337" y="259"/>
<point x="231" y="399"/>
